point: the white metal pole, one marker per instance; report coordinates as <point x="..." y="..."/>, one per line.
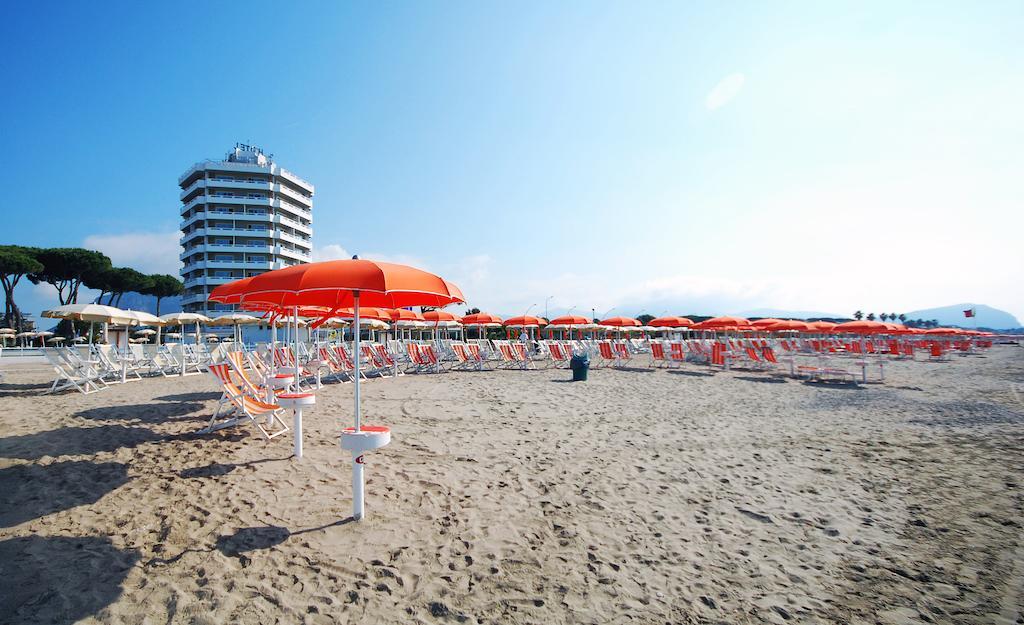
<point x="124" y="358"/>
<point x="357" y="457"/>
<point x="295" y="343"/>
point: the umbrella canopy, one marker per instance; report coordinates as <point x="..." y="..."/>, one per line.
<point x="722" y="323"/>
<point x="336" y="283"/>
<point x="671" y="322"/>
<point x="44" y="333"/>
<point x="944" y="331"/>
<point x="24" y="334"/>
<point x="233" y="319"/>
<point x="822" y="327"/>
<point x="55" y="339"/>
<point x="523" y="321"/>
<point x="7" y="331"/>
<point x="862" y="327"/>
<point x="141" y="318"/>
<point x="79" y="339"/>
<point x="481" y="319"/>
<point x="436" y="316"/>
<point x="763" y="323"/>
<point x="144" y="332"/>
<point x="404" y="314"/>
<point x="95" y="313"/>
<point x="181" y="318"/>
<point x="620" y="322"/>
<point x="570" y="320"/>
<point x="368" y="312"/>
<point x="787" y="326"/>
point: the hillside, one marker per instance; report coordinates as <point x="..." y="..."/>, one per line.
<point x="987" y="317"/>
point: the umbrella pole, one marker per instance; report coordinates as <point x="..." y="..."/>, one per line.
<point x="181" y="330"/>
<point x="357" y="456"/>
<point x="295" y="342"/>
<point x="124" y="358"/>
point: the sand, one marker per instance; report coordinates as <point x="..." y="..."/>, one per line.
<point x="514" y="497"/>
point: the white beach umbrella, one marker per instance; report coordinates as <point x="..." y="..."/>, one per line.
<point x="145" y="332"/>
<point x="235" y="320"/>
<point x="180" y="319"/>
<point x="55" y="339"/>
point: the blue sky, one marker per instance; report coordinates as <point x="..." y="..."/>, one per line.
<point x="689" y="157"/>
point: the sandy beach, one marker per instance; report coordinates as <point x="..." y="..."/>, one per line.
<point x="640" y="496"/>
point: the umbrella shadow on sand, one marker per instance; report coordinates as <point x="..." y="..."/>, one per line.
<point x="31" y="491"/>
<point x="191" y="397"/>
<point x="217" y="469"/>
<point x="149" y="413"/>
<point x="73" y="441"/>
<point x="60" y="579"/>
<point x="249" y="539"/>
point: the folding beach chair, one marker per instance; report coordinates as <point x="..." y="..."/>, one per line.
<point x="461" y="356"/>
<point x="476" y="358"/>
<point x="558" y="354"/>
<point x="82" y="379"/>
<point x="622" y="353"/>
<point x="335" y="369"/>
<point x="387" y="359"/>
<point x="606" y="354"/>
<point x="242" y="406"/>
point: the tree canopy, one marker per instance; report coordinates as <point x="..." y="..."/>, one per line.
<point x="163" y="285"/>
<point x="15" y="263"/>
<point x="66" y="268"/>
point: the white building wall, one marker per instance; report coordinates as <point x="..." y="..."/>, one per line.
<point x="240" y="217"/>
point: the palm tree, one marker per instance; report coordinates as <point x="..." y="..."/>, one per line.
<point x="884" y="316"/>
<point x="902" y="318"/>
<point x="871" y="316"/>
<point x="858" y="315"/>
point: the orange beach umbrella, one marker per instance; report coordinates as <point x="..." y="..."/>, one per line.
<point x="621" y="322"/>
<point x="336" y="284"/>
<point x="523" y="321"/>
<point x="671" y="322"/>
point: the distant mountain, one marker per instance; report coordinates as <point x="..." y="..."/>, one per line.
<point x="147" y="303"/>
<point x="987" y="317"/>
<point x="788" y="314"/>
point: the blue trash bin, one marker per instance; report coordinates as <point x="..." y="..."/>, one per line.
<point x="580" y="365"/>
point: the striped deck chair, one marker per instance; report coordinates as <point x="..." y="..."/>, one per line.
<point x="937" y="352"/>
<point x="622" y="352"/>
<point x="417" y="360"/>
<point x="243" y="406"/>
<point x="606" y="354"/>
<point x="343" y="360"/>
<point x="475" y="356"/>
<point x="430" y="356"/>
<point x="462" y="361"/>
<point x="387" y="359"/>
<point x="558" y="354"/>
<point x="507" y="358"/>
<point x="677" y="354"/>
<point x="335" y="369"/>
<point x="522" y="356"/>
<point x="718" y="355"/>
<point x="377" y="365"/>
<point x="754" y="357"/>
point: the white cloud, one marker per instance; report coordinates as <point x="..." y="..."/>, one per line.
<point x="148" y="252"/>
<point x="330" y="252"/>
<point x="727" y="89"/>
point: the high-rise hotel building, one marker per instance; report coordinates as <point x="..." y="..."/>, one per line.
<point x="240" y="217"/>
